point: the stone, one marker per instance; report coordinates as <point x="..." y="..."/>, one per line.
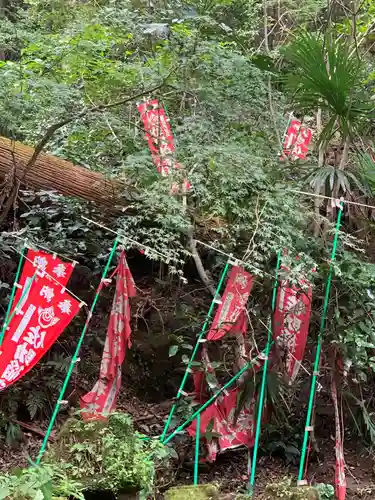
<point x="157" y="30"/>
<point x="287" y="492"/>
<point x="200" y="492"/>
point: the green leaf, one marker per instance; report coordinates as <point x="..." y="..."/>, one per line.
<point x="211" y="380"/>
<point x="292" y="450"/>
<point x="173" y="349"/>
<point x="4" y="492"/>
<point x="185" y="359"/>
<point x="330" y="76"/>
<point x="40" y="496"/>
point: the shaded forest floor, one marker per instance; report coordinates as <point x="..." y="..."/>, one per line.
<point x="229" y="472"/>
<point x="151" y="378"/>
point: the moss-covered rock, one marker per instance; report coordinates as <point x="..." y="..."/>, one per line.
<point x="200" y="492"/>
<point x="285" y="491"/>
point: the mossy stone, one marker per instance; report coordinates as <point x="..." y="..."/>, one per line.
<point x="200" y="492"/>
<point x="274" y="491"/>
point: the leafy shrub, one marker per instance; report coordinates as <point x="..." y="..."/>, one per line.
<point x="326" y="491"/>
<point x="106" y="455"/>
<point x="38" y="483"/>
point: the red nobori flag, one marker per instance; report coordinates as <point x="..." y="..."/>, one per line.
<point x="43" y="261"/>
<point x="340" y="479"/>
<point x="45" y="314"/>
<point x="228" y="436"/>
<point x="233" y="303"/>
<point x="220" y="415"/>
<point x="291" y="322"/>
<point x="101" y="400"/>
<point x="159" y="137"/>
<point x="297" y="140"/>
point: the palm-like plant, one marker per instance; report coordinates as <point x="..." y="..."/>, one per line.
<point x="329" y="75"/>
<point x="324" y="179"/>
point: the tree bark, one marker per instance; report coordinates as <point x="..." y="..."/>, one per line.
<point x="3" y="6"/>
<point x="317" y="202"/>
<point x="53" y="173"/>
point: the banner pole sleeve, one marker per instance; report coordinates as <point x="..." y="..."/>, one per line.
<point x="195" y="350"/>
<point x="6" y="322"/>
<point x="264" y="378"/>
<point x="319" y="346"/>
<point x="75" y="355"/>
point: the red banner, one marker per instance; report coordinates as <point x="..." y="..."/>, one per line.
<point x="159" y="137"/>
<point x="233" y="303"/>
<point x="101" y="400"/>
<point x="219" y="418"/>
<point x="297" y="140"/>
<point x="291" y="323"/>
<point x="47" y="312"/>
<point x="43" y="261"/>
<point x="230" y="319"/>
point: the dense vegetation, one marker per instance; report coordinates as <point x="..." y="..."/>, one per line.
<point x="228" y="72"/>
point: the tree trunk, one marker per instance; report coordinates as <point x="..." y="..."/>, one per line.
<point x="53" y="173"/>
<point x="317" y="201"/>
<point x="3" y="6"/>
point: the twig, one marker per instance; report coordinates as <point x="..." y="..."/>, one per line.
<point x="32" y="429"/>
<point x="258" y="216"/>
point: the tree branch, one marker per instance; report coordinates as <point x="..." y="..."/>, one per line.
<point x="192" y="244"/>
<point x="267" y="51"/>
<point x="94" y="109"/>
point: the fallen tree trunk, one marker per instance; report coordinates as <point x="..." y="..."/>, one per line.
<point x="53" y="173"/>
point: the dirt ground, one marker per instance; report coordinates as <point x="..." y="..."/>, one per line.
<point x="229" y="472"/>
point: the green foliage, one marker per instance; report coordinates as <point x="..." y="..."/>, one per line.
<point x="62" y="58"/>
<point x="282" y="440"/>
<point x="326" y="491"/>
<point x="367" y="170"/>
<point x="39" y="483"/>
<point x="275" y="391"/>
<point x="330" y="76"/>
<point x="353" y="321"/>
<point x="39" y="389"/>
<point x="216" y="99"/>
<point x="107" y="456"/>
<point x="324" y="179"/>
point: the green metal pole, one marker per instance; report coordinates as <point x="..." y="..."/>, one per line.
<point x="13" y="293"/>
<point x="75" y="356"/>
<point x="319" y="348"/>
<point x="6" y="322"/>
<point x="212" y="399"/>
<point x="24" y="293"/>
<point x="264" y="379"/>
<point x="195" y="350"/>
<point x="197" y="437"/>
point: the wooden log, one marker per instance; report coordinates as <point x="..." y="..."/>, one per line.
<point x="53" y="173"/>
